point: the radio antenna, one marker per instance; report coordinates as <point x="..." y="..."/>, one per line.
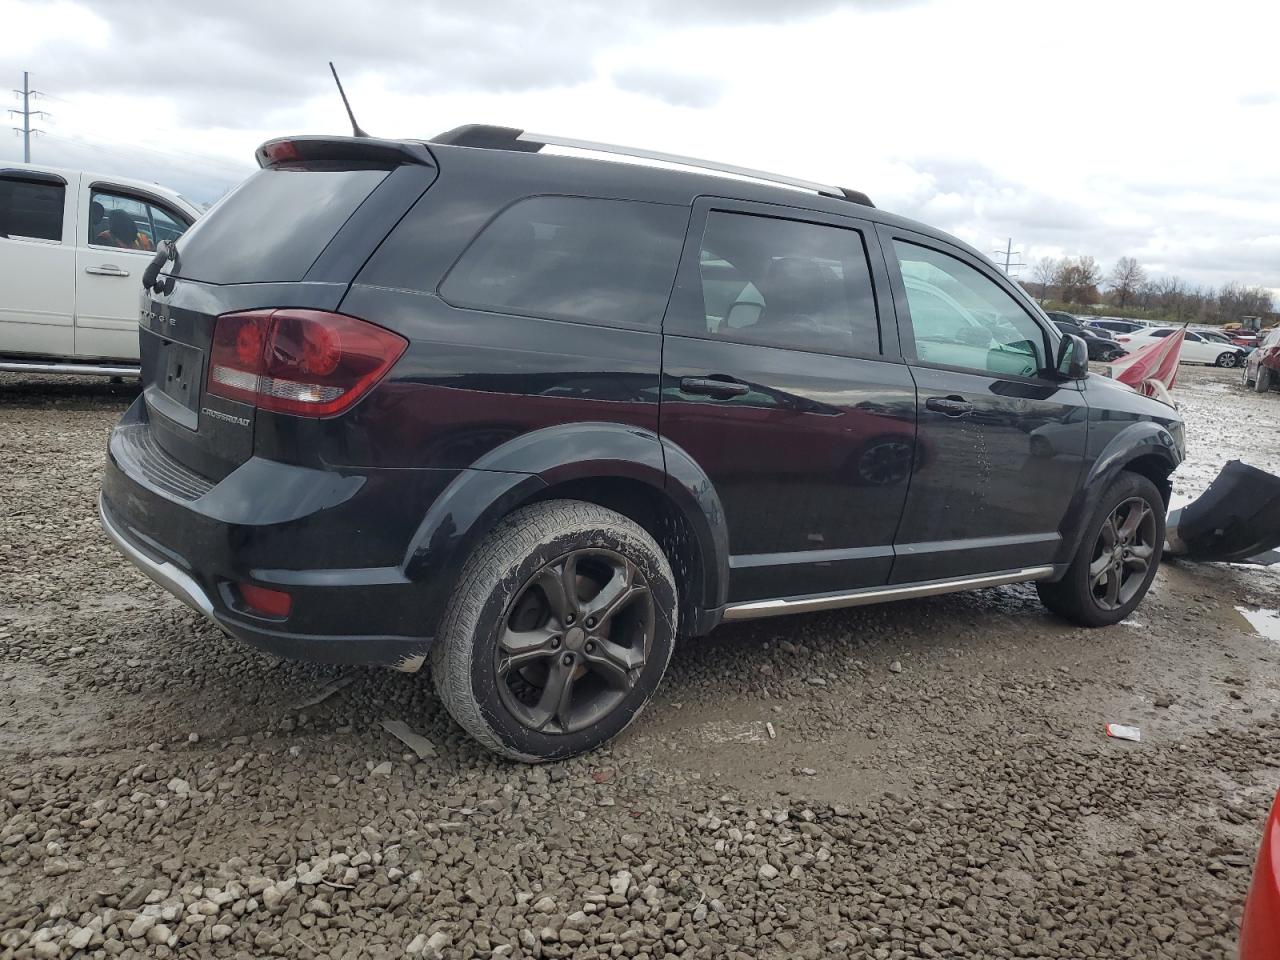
<point x="355" y="127"/>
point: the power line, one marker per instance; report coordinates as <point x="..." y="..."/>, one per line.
<point x="1008" y="253"/>
<point x="27" y="113"/>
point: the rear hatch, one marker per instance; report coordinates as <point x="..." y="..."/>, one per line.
<point x="293" y="235"/>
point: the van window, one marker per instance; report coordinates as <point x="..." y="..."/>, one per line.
<point x="961" y="318"/>
<point x="610" y="262"/>
<point x="31" y="210"/>
<point x="784" y="283"/>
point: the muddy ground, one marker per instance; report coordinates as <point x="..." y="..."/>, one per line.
<point x="938" y="785"/>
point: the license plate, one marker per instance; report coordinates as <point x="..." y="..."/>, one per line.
<point x="181" y="370"/>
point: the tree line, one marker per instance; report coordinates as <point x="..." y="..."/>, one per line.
<point x="1128" y="290"/>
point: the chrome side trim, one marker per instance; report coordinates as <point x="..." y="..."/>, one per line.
<point x="165" y="574"/>
<point x="674" y="158"/>
<point x="84" y="369"/>
<point x="831" y="601"/>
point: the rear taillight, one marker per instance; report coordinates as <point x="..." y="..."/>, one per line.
<point x="305" y="362"/>
<point x="1123" y="339"/>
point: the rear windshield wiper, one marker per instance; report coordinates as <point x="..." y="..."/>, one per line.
<point x="166" y="251"/>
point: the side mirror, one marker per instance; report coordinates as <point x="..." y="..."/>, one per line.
<point x="1073" y="357"/>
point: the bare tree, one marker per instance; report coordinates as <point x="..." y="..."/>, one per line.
<point x="1236" y="300"/>
<point x="1079" y="278"/>
<point x="1127" y="278"/>
<point x="1045" y="270"/>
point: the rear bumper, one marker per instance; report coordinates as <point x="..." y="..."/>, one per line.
<point x="335" y="541"/>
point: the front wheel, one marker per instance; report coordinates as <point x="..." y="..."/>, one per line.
<point x="1262" y="379"/>
<point x="558" y="632"/>
<point x="1117" y="558"/>
<point x="1228" y="359"/>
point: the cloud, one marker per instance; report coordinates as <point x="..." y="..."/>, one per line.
<point x="1259" y="98"/>
<point x="976" y="131"/>
<point x="677" y="89"/>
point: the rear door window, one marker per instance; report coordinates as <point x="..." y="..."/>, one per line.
<point x="608" y="262"/>
<point x="274" y="225"/>
<point x="30" y="210"/>
<point x="784" y="283"/>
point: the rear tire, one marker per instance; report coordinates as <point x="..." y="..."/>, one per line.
<point x="1111" y="573"/>
<point x="1262" y="379"/>
<point x="536" y="672"/>
<point x="1227" y="359"/>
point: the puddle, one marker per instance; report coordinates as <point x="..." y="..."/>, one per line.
<point x="1265" y="622"/>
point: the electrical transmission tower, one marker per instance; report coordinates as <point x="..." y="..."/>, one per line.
<point x="1008" y="254"/>
<point x="27" y="113"/>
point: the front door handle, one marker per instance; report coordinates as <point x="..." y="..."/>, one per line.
<point x="107" y="270"/>
<point x="711" y="387"/>
<point x="949" y="406"/>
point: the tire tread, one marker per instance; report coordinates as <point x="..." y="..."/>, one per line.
<point x="513" y="538"/>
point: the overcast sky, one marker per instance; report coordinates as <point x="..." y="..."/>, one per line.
<point x="1076" y="127"/>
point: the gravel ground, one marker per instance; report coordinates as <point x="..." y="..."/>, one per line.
<point x="922" y="779"/>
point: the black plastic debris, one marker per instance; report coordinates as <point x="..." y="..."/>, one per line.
<point x="1236" y="520"/>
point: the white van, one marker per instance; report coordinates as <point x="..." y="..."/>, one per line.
<point x="73" y="246"/>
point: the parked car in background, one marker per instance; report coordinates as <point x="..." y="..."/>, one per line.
<point x="73" y="246"/>
<point x="1244" y="338"/>
<point x="1115" y="326"/>
<point x="535" y="417"/>
<point x="1195" y="347"/>
<point x="1260" y="925"/>
<point x="1262" y="368"/>
<point x="1217" y="336"/>
<point x="1101" y="346"/>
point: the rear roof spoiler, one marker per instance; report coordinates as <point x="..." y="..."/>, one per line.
<point x="287" y="150"/>
<point x="510" y="138"/>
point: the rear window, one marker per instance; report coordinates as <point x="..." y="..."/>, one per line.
<point x="32" y="210"/>
<point x="610" y="262"/>
<point x="274" y="225"/>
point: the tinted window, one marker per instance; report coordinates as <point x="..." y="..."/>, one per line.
<point x="571" y="258"/>
<point x="274" y="225"/>
<point x="784" y="283"/>
<point x="962" y="318"/>
<point x="31" y="209"/>
<point x="1160" y="333"/>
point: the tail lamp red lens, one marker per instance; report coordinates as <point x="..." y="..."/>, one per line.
<point x="311" y="363"/>
<point x="273" y="603"/>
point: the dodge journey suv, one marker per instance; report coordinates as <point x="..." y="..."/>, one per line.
<point x="533" y="417"/>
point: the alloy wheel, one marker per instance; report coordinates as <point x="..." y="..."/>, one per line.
<point x="574" y="641"/>
<point x="1227" y="360"/>
<point x="1122" y="553"/>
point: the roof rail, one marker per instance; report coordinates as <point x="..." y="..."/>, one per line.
<point x="511" y="138"/>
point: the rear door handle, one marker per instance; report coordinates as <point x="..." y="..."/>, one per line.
<point x="107" y="270"/>
<point x="949" y="406"/>
<point x="711" y="387"/>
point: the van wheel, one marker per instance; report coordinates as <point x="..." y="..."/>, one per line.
<point x="558" y="632"/>
<point x="1117" y="558"/>
<point x="1262" y="379"/>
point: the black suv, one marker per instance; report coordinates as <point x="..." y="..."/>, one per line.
<point x="536" y="416"/>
